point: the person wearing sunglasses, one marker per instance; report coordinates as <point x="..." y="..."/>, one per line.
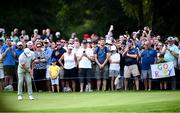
<point x="40" y="63"/>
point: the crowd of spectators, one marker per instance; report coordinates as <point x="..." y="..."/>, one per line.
<point x="95" y="63"/>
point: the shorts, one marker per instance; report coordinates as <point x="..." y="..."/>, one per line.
<point x="132" y="69"/>
<point x="55" y="81"/>
<point x="9" y="70"/>
<point x="164" y="79"/>
<point x="114" y="73"/>
<point x="102" y="74"/>
<point x="61" y="73"/>
<point x="1" y="73"/>
<point x="85" y="73"/>
<point x="146" y="74"/>
<point x="70" y="74"/>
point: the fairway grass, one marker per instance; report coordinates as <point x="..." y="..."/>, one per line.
<point x="131" y="101"/>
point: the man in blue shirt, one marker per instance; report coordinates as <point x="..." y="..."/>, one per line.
<point x="101" y="58"/>
<point x="48" y="52"/>
<point x="19" y="50"/>
<point x="148" y="57"/>
<point x="57" y="53"/>
<point x="131" y="67"/>
<point x="8" y="56"/>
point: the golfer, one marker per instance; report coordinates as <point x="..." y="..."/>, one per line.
<point x="25" y="71"/>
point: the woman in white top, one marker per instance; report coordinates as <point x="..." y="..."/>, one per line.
<point x="114" y="68"/>
<point x="70" y="64"/>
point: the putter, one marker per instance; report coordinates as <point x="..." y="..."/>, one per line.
<point x="36" y="95"/>
<point x="34" y="84"/>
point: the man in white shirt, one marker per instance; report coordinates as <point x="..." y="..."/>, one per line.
<point x="85" y="56"/>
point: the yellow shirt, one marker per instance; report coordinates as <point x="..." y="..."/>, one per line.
<point x="54" y="71"/>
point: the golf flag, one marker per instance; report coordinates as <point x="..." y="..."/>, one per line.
<point x="162" y="70"/>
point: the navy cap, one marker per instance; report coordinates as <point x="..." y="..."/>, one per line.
<point x="130" y="40"/>
<point x="53" y="60"/>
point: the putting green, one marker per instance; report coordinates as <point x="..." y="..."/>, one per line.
<point x="131" y="101"/>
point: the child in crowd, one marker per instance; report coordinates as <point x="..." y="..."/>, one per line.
<point x="114" y="69"/>
<point x="54" y="74"/>
<point x="163" y="81"/>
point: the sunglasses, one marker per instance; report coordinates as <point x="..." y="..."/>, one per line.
<point x="63" y="42"/>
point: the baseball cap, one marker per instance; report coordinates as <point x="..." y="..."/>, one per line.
<point x="113" y="48"/>
<point x="86" y="36"/>
<point x="35" y="30"/>
<point x="27" y="52"/>
<point x="58" y="34"/>
<point x="170" y="39"/>
<point x="46" y="40"/>
<point x="84" y="42"/>
<point x="53" y="60"/>
<point x="19" y="43"/>
<point x="130" y="40"/>
<point x="108" y="41"/>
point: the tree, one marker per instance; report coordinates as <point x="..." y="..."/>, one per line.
<point x="161" y="15"/>
<point x="89" y="16"/>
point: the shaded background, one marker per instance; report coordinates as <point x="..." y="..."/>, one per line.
<point x="91" y="16"/>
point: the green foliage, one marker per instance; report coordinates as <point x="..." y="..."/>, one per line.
<point x="91" y="16"/>
<point x="138" y="9"/>
<point x="161" y="15"/>
<point x="27" y="14"/>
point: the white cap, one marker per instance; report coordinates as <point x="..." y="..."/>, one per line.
<point x="170" y="38"/>
<point x="70" y="46"/>
<point x="19" y="43"/>
<point x="29" y="43"/>
<point x="27" y="52"/>
<point x="108" y="41"/>
<point x="58" y="34"/>
<point x="121" y="36"/>
<point x="35" y="30"/>
<point x="113" y="48"/>
<point x="46" y="40"/>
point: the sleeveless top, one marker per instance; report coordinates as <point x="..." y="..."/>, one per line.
<point x="69" y="61"/>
